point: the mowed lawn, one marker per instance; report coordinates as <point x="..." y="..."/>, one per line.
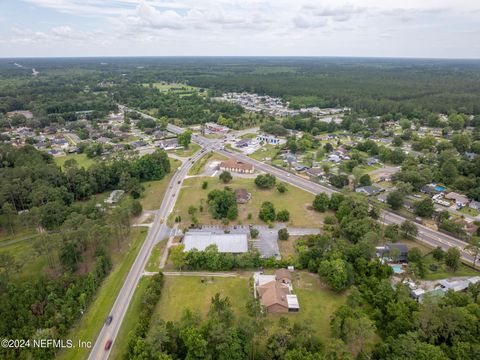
<point x="295" y="200"/>
<point x="192" y="149"/>
<point x="317" y="304"/>
<point x="81" y="159"/>
<point x="188" y="292"/>
<point x="92" y="321"/>
<point x="154" y="191"/>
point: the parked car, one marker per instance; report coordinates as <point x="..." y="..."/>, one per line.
<point x="109" y="320"/>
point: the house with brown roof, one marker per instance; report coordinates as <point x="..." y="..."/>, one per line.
<point x="283" y="276"/>
<point x="273" y="296"/>
<point x="275" y="292"/>
<point x="459" y="199"/>
<point x="236" y="166"/>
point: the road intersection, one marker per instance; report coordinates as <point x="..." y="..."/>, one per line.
<point x="159" y="229"/>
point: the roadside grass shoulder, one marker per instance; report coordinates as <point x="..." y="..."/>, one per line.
<point x="129" y="321"/>
<point x="192" y="149"/>
<point x="92" y="321"/>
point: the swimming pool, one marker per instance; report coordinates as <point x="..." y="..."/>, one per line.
<point x="397" y="269"/>
<point x="439" y="188"/>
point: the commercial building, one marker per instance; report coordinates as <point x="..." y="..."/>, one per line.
<point x="236" y="166"/>
<point x="226" y="243"/>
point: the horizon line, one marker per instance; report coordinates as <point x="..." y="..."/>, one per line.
<point x="241" y="56"/>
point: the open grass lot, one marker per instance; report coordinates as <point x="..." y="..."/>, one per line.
<point x="192" y="149"/>
<point x="297" y="201"/>
<point x="443" y="271"/>
<point x="129" y="321"/>
<point x="155" y="190"/>
<point x="92" y="321"/>
<point x="81" y="159"/>
<point x="188" y="292"/>
<point x="266" y="152"/>
<point x="174" y="87"/>
<point x="317" y="304"/>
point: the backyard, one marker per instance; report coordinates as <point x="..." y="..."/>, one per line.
<point x="189" y="292"/>
<point x="317" y="304"/>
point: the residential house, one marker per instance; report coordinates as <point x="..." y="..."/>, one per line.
<point x="315" y="172"/>
<point x="139" y="143"/>
<point x="242" y="196"/>
<point x="168" y="144"/>
<point x="475" y="205"/>
<point x="369" y="190"/>
<point x="114" y="197"/>
<point x="387" y="252"/>
<point x="459" y="199"/>
<point x="334" y="158"/>
<point x="236" y="166"/>
<point x="226" y="243"/>
<point x="274" y="292"/>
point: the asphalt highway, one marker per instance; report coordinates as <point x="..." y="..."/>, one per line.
<point x="156" y="232"/>
<point x="426" y="235"/>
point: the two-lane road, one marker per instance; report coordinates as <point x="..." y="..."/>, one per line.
<point x="156" y="232"/>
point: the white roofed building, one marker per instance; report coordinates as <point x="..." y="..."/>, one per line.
<point x="226" y="243"/>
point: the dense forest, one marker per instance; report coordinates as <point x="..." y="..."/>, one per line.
<point x="373" y="86"/>
<point x="76" y="237"/>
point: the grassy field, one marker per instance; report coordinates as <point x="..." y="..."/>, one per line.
<point x="192" y="149"/>
<point x="469" y="211"/>
<point x="129" y="321"/>
<point x="92" y="321"/>
<point x="188" y="292"/>
<point x="155" y="190"/>
<point x="82" y="160"/>
<point x="443" y="271"/>
<point x="267" y="151"/>
<point x="317" y="304"/>
<point x="298" y="202"/>
<point x="174" y="87"/>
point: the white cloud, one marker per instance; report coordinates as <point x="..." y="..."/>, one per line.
<point x="254" y="27"/>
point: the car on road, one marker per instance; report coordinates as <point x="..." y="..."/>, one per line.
<point x="178" y="182"/>
<point x="108" y="345"/>
<point x="109" y="320"/>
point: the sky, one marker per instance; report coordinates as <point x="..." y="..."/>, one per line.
<point x="364" y="28"/>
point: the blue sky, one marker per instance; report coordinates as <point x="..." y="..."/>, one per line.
<point x="426" y="28"/>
